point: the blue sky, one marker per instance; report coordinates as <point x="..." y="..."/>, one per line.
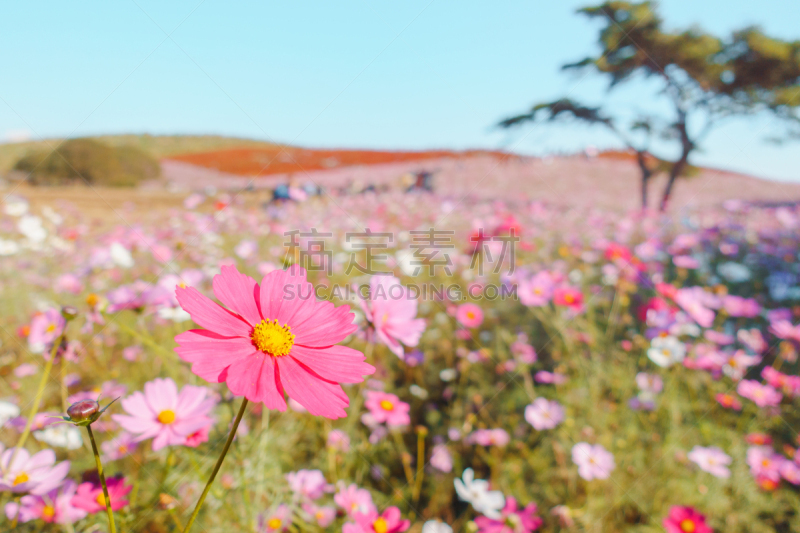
<point x="391" y="75"/>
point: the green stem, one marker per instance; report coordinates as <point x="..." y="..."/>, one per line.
<point x="214" y="472"/>
<point x="37" y="401"/>
<point x="109" y="511"/>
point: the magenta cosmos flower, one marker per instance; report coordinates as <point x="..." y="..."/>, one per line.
<point x="392" y="313"/>
<point x="512" y="520"/>
<point x="161" y="413"/>
<point x="389" y="521"/>
<point x="90" y="498"/>
<point x="272" y="338"/>
<point x="685" y="520"/>
<point x="385" y="407"/>
<point x="35" y="474"/>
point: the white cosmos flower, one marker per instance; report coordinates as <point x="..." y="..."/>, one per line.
<point x="8" y="411"/>
<point x="120" y="255"/>
<point x="176" y="314"/>
<point x="60" y="436"/>
<point x="434" y="526"/>
<point x="8" y="247"/>
<point x="477" y="493"/>
<point x="31" y="227"/>
<point x="15" y="206"/>
<point x="666" y="351"/>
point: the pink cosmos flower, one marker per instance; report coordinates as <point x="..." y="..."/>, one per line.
<point x="45" y="329"/>
<point x="354" y="500"/>
<point x="554" y="378"/>
<point x="696" y="302"/>
<point x="512" y="520"/>
<point x="594" y="461"/>
<point x="753" y="339"/>
<point x="544" y="414"/>
<point x="441" y="459"/>
<point x="737" y="306"/>
<point x="273" y="338"/>
<point x="537" y="291"/>
<point x="764" y="463"/>
<point x="788" y="384"/>
<point x="762" y="395"/>
<point x="278" y="520"/>
<point x="685" y="520"/>
<point x="54" y="507"/>
<point x="69" y="283"/>
<point x="391" y="311"/>
<point x="338" y="440"/>
<point x="36" y="474"/>
<point x="90" y="498"/>
<point x="385" y="407"/>
<point x="469" y="315"/>
<point x="165" y="415"/>
<point x="120" y="446"/>
<point x="569" y="297"/>
<point x="489" y="437"/>
<point x="389" y="521"/>
<point x="783" y="329"/>
<point x="712" y="460"/>
<point x="309" y="484"/>
<point x="728" y="401"/>
<point x="322" y="515"/>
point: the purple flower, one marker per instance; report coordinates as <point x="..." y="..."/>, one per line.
<point x="594" y="461"/>
<point x="544" y="414"/>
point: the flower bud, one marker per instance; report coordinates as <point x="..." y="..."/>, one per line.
<point x="69" y="312"/>
<point x="83" y="411"/>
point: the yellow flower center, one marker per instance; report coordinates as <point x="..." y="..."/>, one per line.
<point x="51" y="328"/>
<point x="22" y="477"/>
<point x="569" y="298"/>
<point x="166" y="416"/>
<point x="101" y="500"/>
<point x="272" y="338"/>
<point x="48" y="512"/>
<point x="274" y="523"/>
<point x="92" y="300"/>
<point x="386" y="405"/>
<point x="380" y="526"/>
<point x="122" y="448"/>
<point x="470" y="315"/>
<point x="688" y="526"/>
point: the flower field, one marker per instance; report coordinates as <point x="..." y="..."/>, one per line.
<point x="389" y="363"/>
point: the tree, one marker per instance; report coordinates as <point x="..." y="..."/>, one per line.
<point x="706" y="80"/>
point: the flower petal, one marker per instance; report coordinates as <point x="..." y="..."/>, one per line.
<point x="211" y="315"/>
<point x="335" y="363"/>
<point x="320" y="397"/>
<point x="238" y="292"/>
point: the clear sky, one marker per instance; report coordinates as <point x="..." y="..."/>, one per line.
<point x="394" y="75"/>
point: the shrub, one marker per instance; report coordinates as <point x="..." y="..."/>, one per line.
<point x="86" y="161"/>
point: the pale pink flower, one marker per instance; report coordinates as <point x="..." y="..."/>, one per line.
<point x="712" y="460"/>
<point x="120" y="446"/>
<point x="441" y="459"/>
<point x="322" y="515"/>
<point x="544" y="414"/>
<point x="164" y="415"/>
<point x="45" y="329"/>
<point x="764" y="463"/>
<point x="762" y="395"/>
<point x="594" y="461"/>
<point x="339" y="440"/>
<point x="512" y="519"/>
<point x="354" y="500"/>
<point x="54" y="507"/>
<point x="273" y="338"/>
<point x="36" y="474"/>
<point x="489" y="437"/>
<point x="536" y="291"/>
<point x="309" y="484"/>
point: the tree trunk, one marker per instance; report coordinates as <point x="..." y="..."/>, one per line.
<point x="680" y="165"/>
<point x="646" y="174"/>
